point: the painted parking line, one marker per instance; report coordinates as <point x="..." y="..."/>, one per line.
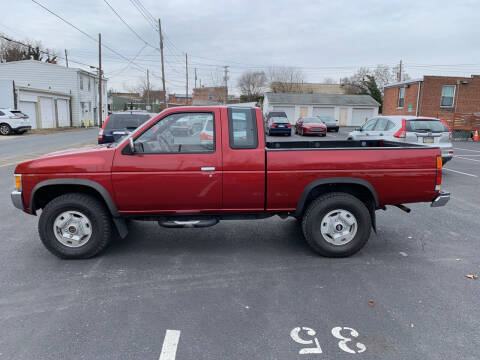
<point x="463" y="158"/>
<point x="467" y="150"/>
<point x="459" y="172"/>
<point x="469" y="155"/>
<point x="170" y="343"/>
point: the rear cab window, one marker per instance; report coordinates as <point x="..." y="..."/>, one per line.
<point x="426" y="125"/>
<point x="242" y="128"/>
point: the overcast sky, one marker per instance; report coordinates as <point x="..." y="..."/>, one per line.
<point x="325" y="39"/>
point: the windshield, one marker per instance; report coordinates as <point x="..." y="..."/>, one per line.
<point x="312" y="120"/>
<point x="125" y="121"/>
<point x="327" y="118"/>
<point x="434" y="126"/>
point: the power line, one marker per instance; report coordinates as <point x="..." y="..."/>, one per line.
<point x="81" y="31"/>
<point x="43" y="51"/>
<point x="128" y="26"/>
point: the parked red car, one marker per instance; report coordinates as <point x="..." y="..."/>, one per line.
<point x="332" y="187"/>
<point x="310" y="126"/>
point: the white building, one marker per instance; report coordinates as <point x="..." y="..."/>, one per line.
<point x="54" y="95"/>
<point x="349" y="110"/>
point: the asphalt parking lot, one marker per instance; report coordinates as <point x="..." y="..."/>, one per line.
<point x="246" y="290"/>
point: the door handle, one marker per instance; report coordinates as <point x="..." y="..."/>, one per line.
<point x="208" y="168"/>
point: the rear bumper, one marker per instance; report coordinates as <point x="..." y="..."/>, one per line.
<point x="280" y="130"/>
<point x="17" y="199"/>
<point x="22" y="128"/>
<point x="441" y="199"/>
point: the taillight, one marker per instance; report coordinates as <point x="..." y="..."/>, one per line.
<point x="289" y="125"/>
<point x="402" y="133"/>
<point x="205" y="136"/>
<point x="438" y="175"/>
<point x="100" y="134"/>
<point x="445" y="123"/>
<point x="273" y="125"/>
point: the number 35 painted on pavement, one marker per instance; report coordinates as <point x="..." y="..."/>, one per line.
<point x="343" y="344"/>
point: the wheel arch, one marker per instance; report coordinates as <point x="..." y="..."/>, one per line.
<point x="39" y="194"/>
<point x="359" y="188"/>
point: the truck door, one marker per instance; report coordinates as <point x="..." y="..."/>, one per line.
<point x="243" y="160"/>
<point x="176" y="166"/>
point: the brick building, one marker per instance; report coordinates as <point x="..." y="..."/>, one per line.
<point x="212" y="93"/>
<point x="179" y="99"/>
<point x="435" y="96"/>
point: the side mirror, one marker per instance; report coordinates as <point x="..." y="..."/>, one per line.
<point x="132" y="146"/>
<point x="358" y="129"/>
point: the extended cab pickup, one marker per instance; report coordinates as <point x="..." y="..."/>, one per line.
<point x="224" y="169"/>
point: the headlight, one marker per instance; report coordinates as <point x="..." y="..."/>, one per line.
<point x="18" y="182"/>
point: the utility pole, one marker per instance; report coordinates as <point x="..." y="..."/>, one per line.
<point x="195" y="78"/>
<point x="66" y="57"/>
<point x="163" y="68"/>
<point x="225" y="79"/>
<point x="399" y="77"/>
<point x="148" y="91"/>
<point x="186" y="79"/>
<point x="100" y="112"/>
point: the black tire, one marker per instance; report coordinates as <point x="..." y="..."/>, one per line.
<point x="336" y="130"/>
<point x="5" y="129"/>
<point x="324" y="204"/>
<point x="98" y="216"/>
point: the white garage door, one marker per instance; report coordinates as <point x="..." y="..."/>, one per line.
<point x="63" y="113"/>
<point x="360" y="115"/>
<point x="47" y="113"/>
<point x="29" y="108"/>
<point x="324" y="111"/>
<point x="289" y="110"/>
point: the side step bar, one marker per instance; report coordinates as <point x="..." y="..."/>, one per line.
<point x="188" y="223"/>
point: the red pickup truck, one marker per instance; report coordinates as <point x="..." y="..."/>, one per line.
<point x="224" y="169"/>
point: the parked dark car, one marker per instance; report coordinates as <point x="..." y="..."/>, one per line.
<point x="120" y="124"/>
<point x="278" y="126"/>
<point x="276" y="114"/>
<point x="330" y="121"/>
<point x="310" y="126"/>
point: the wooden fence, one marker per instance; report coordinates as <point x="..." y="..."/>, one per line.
<point x="461" y="121"/>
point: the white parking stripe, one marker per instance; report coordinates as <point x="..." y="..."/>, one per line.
<point x="469" y="155"/>
<point x="170" y="343"/>
<point x="459" y="172"/>
<point x="459" y="157"/>
<point x="467" y="150"/>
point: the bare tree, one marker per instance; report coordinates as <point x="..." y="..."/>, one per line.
<point x="383" y="75"/>
<point x="11" y="50"/>
<point x="284" y="79"/>
<point x="252" y="85"/>
<point x="329" y="81"/>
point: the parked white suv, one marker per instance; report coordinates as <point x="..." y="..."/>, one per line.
<point x="13" y="121"/>
<point x="409" y="129"/>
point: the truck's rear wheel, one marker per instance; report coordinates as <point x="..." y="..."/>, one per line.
<point x="75" y="226"/>
<point x="336" y="225"/>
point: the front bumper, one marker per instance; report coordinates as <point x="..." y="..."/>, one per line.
<point x="441" y="199"/>
<point x="17" y="199"/>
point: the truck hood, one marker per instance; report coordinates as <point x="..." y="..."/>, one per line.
<point x="96" y="158"/>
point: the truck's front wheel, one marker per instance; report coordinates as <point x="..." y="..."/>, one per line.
<point x="75" y="226"/>
<point x="336" y="225"/>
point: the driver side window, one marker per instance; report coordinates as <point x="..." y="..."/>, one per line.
<point x="369" y="125"/>
<point x="179" y="133"/>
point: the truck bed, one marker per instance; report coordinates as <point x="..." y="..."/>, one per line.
<point x="399" y="172"/>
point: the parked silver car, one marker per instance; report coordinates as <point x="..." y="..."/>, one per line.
<point x="409" y="129"/>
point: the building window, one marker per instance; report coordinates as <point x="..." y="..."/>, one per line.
<point x="81" y="82"/>
<point x="401" y="97"/>
<point x="448" y="94"/>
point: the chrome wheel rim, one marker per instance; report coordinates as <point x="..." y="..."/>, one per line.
<point x="4" y="129"/>
<point x="339" y="227"/>
<point x="72" y="229"/>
